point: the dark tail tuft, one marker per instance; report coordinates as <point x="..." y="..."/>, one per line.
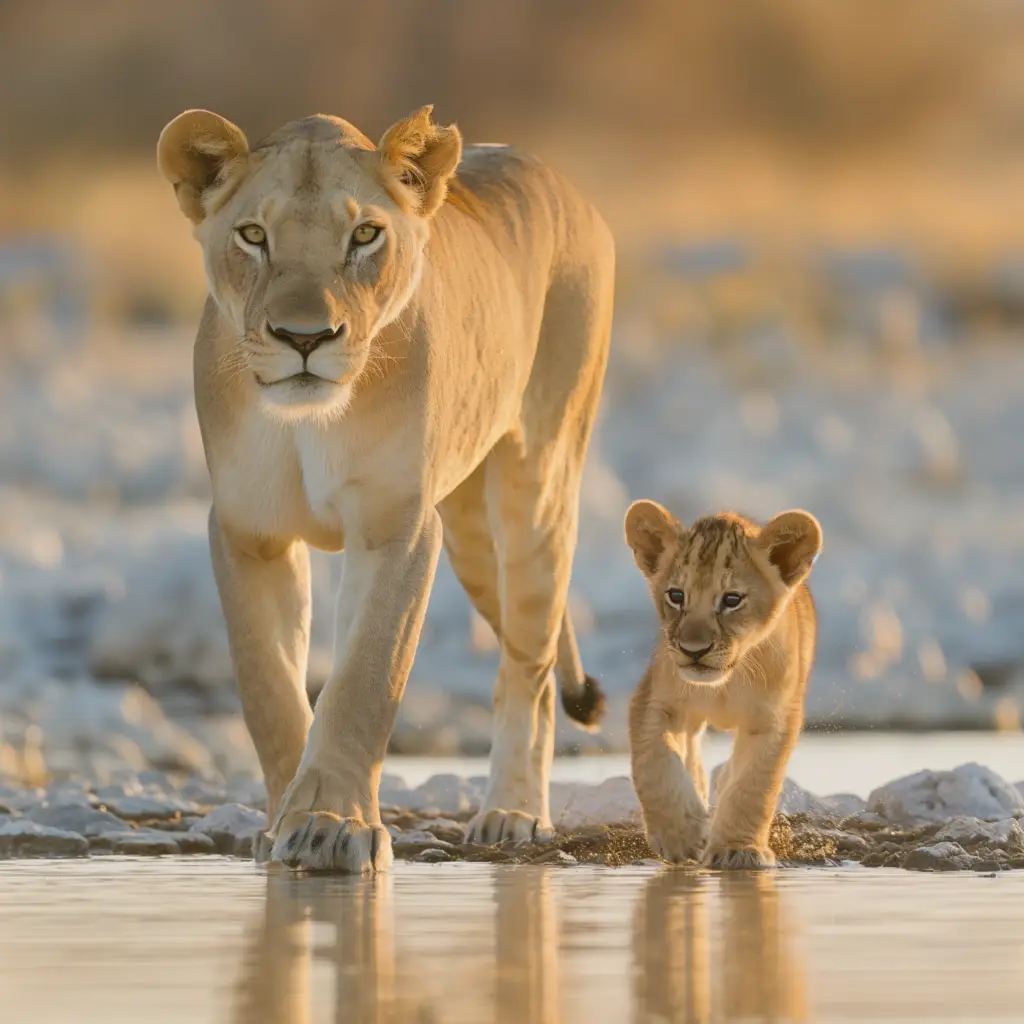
<point x="586" y="706"/>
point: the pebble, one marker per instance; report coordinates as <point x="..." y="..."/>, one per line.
<point x="133" y="807"/>
<point x="434" y="855"/>
<point x="141" y="842"/>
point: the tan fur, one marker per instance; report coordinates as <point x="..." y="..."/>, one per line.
<point x="742" y="669"/>
<point x="448" y="399"/>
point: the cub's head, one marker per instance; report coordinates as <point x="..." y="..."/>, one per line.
<point x="721" y="584"/>
<point x="313" y="240"/>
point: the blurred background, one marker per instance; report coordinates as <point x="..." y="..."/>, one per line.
<point x="820" y="216"/>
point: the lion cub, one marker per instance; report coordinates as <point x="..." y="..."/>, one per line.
<point x="736" y="646"/>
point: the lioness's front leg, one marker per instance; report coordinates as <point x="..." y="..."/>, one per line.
<point x="747" y="799"/>
<point x="264" y="589"/>
<point x="329" y="818"/>
<point x="674" y="811"/>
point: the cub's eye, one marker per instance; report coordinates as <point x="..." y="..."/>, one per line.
<point x="731" y="600"/>
<point x="675" y="597"/>
<point x="365" y="234"/>
<point x="253" y="234"/>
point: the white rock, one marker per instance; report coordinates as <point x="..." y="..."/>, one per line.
<point x="970" y="791"/>
<point x="229" y="824"/>
<point x="446" y="794"/>
<point x="419" y="837"/>
<point x="85" y="820"/>
<point x="23" y="838"/>
<point x="1007" y="832"/>
<point x="939" y="857"/>
<point x="576" y="805"/>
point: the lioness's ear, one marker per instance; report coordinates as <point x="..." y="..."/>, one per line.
<point x="650" y="531"/>
<point x="792" y="541"/>
<point x="192" y="152"/>
<point x="421" y="156"/>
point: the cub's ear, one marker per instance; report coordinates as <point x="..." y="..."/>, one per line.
<point x="651" y="531"/>
<point x="191" y="153"/>
<point x="792" y="541"/>
<point x="420" y="158"/>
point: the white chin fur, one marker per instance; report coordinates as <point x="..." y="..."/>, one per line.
<point x="291" y="400"/>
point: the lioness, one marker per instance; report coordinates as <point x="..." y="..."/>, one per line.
<point x="736" y="646"/>
<point x="403" y="347"/>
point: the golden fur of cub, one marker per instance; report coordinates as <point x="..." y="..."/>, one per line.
<point x="736" y="646"/>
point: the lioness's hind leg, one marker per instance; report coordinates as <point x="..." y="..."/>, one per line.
<point x="536" y="531"/>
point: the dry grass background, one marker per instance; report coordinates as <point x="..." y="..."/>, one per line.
<point x="778" y="121"/>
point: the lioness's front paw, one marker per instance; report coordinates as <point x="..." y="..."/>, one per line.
<point x="321" y="841"/>
<point x="741" y="858"/>
<point x="678" y="841"/>
<point x="498" y="826"/>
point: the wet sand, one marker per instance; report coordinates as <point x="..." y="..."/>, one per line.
<point x="217" y="940"/>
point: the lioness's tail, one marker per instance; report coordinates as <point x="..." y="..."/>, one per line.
<point x="582" y="698"/>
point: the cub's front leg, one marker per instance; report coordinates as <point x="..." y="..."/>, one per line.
<point x="753" y="779"/>
<point x="675" y="813"/>
<point x="329" y="818"/>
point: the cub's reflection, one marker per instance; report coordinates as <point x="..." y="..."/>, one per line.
<point x="715" y="948"/>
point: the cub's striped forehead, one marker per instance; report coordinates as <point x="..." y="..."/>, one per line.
<point x="713" y="545"/>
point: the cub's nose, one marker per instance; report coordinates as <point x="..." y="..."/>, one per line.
<point x="693" y="651"/>
<point x="303" y="339"/>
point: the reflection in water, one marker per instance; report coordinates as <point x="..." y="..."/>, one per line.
<point x="704" y="948"/>
<point x="274" y="987"/>
<point x="743" y="968"/>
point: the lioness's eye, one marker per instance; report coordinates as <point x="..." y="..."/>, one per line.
<point x="365" y="234"/>
<point x="675" y="597"/>
<point x="731" y="600"/>
<point x="253" y="234"/>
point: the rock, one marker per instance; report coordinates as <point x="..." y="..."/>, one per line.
<point x="446" y="794"/>
<point x="149" y="808"/>
<point x="555" y="857"/>
<point x="204" y="792"/>
<point x="446" y="829"/>
<point x="433" y="855"/>
<point x="577" y="805"/>
<point x="247" y="791"/>
<point x="393" y="791"/>
<point x="23" y="838"/>
<point x="971" y="832"/>
<point x="85" y="820"/>
<point x="17" y="800"/>
<point x="419" y="837"/>
<point x="968" y="791"/>
<point x="842" y="805"/>
<point x="939" y="857"/>
<point x="866" y="820"/>
<point x="229" y="824"/>
<point x="142" y="843"/>
<point x="846" y="842"/>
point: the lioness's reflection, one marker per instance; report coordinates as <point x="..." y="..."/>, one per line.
<point x="275" y="984"/>
<point x="697" y="958"/>
<point x="425" y="981"/>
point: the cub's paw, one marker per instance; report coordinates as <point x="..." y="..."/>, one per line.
<point x="321" y="841"/>
<point x="678" y="841"/>
<point x="742" y="858"/>
<point x="498" y="826"/>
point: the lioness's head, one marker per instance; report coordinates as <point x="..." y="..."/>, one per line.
<point x="721" y="584"/>
<point x="313" y="240"/>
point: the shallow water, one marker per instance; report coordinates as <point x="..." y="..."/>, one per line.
<point x="218" y="940"/>
<point x="824" y="763"/>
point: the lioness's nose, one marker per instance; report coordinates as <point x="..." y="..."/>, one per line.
<point x="302" y="339"/>
<point x="691" y="649"/>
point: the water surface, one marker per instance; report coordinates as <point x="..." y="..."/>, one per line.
<point x="221" y="941"/>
